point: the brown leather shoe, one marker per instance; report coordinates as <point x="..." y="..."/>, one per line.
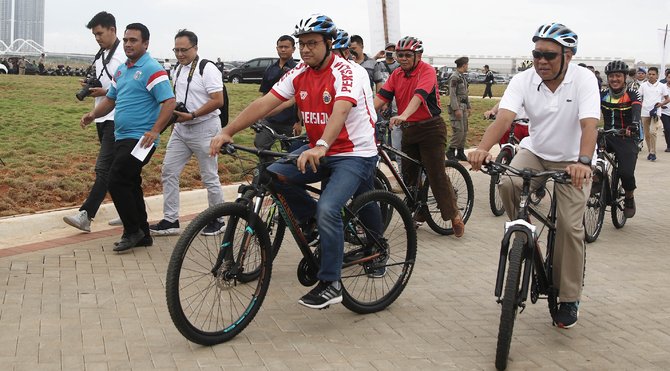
<point x="458" y="226"/>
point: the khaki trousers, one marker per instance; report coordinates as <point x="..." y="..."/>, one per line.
<point x="568" y="273"/>
<point x="650" y="127"/>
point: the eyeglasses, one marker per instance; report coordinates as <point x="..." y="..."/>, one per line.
<point x="311" y="44"/>
<point x="404" y="55"/>
<point x="549" y="56"/>
<point x="182" y="50"/>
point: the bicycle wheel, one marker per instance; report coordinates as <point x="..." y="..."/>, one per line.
<point x="595" y="208"/>
<point x="465" y="198"/>
<point x="497" y="207"/>
<point x="618" y="194"/>
<point x="274" y="223"/>
<point x="510" y="302"/>
<point x="377" y="269"/>
<point x="209" y="297"/>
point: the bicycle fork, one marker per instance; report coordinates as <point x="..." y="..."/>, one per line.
<point x="516" y="228"/>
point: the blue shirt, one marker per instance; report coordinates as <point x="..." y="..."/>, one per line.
<point x="138" y="90"/>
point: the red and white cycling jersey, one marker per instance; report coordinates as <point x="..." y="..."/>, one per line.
<point x="316" y="91"/>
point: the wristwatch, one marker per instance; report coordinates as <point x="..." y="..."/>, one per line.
<point x="193" y="116"/>
<point x="322" y="143"/>
<point x="584" y="160"/>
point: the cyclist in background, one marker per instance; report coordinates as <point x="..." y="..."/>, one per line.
<point x="562" y="102"/>
<point x="621" y="107"/>
<point x="339" y="118"/>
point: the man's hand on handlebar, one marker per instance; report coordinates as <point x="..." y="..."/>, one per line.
<point x="478" y="157"/>
<point x="217" y="142"/>
<point x="311" y="157"/>
<point x="580" y="174"/>
<point x="397" y="120"/>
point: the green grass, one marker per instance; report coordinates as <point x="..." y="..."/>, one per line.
<point x="50" y="160"/>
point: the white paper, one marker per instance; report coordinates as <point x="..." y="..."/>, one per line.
<point x="139" y="152"/>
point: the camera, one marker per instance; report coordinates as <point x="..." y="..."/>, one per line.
<point x="89" y="82"/>
<point x="179" y="107"/>
<point x="389" y="54"/>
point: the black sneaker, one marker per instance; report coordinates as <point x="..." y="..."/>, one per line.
<point x="567" y="314"/>
<point x="165" y="228"/>
<point x="377" y="269"/>
<point x="213" y="228"/>
<point x="323" y="295"/>
<point x="629" y="207"/>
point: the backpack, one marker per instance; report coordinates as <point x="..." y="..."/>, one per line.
<point x="224" y="109"/>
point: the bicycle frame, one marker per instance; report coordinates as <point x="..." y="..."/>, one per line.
<point x="413" y="197"/>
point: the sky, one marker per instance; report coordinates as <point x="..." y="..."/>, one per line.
<point x="245" y="29"/>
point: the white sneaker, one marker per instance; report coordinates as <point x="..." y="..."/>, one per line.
<point x="79" y="221"/>
<point x="115" y="221"/>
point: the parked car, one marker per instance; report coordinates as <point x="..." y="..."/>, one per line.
<point x="250" y="71"/>
<point x="3" y="69"/>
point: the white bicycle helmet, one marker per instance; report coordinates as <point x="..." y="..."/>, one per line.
<point x="526" y="65"/>
<point x="557" y="32"/>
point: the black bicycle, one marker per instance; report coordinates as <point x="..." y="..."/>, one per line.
<point x="215" y="285"/>
<point x="419" y="197"/>
<point x="606" y="190"/>
<point x="530" y="268"/>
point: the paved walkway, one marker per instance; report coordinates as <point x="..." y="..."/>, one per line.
<point x="79" y="306"/>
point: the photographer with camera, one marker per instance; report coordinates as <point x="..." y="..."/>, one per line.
<point x="107" y="60"/>
<point x="199" y="93"/>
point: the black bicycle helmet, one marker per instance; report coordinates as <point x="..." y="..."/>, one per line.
<point x="616" y="66"/>
<point x="316" y="23"/>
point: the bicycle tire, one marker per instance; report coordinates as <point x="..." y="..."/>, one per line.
<point x="195" y="295"/>
<point x="510" y="302"/>
<point x="382" y="182"/>
<point x="618" y="195"/>
<point x="274" y="223"/>
<point x="465" y="198"/>
<point x="365" y="294"/>
<point x="594" y="214"/>
<point x="495" y="201"/>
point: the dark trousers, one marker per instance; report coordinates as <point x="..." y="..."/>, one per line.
<point x="426" y="142"/>
<point x="487" y="91"/>
<point x="125" y="186"/>
<point x="625" y="150"/>
<point x="665" y="119"/>
<point x="102" y="166"/>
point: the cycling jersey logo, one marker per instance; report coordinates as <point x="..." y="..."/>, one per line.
<point x="137" y="75"/>
<point x="326" y="97"/>
<point x="303" y="95"/>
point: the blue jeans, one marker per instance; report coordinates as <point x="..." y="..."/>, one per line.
<point x="346" y="176"/>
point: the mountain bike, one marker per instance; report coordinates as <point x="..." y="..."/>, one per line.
<point x="215" y="285"/>
<point x="607" y="192"/>
<point x="530" y="268"/>
<point x="419" y="197"/>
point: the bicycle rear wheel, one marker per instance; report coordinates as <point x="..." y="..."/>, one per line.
<point x="209" y="296"/>
<point x="594" y="215"/>
<point x="497" y="207"/>
<point x="465" y="198"/>
<point x="510" y="301"/>
<point x="376" y="269"/>
<point x="617" y="191"/>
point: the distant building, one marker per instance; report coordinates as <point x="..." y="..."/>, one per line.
<point x="22" y="19"/>
<point x="6" y="21"/>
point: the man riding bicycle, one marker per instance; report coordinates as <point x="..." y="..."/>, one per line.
<point x="337" y="110"/>
<point x="562" y="101"/>
<point x="424" y="135"/>
<point x="621" y="108"/>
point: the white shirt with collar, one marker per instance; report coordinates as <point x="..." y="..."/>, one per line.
<point x="555" y="132"/>
<point x="118" y="58"/>
<point x="199" y="89"/>
<point x="651" y="94"/>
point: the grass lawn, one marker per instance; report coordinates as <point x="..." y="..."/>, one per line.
<point x="50" y="160"/>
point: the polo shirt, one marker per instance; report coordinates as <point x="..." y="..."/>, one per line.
<point x="272" y="74"/>
<point x="199" y="89"/>
<point x="651" y="94"/>
<point x="316" y="92"/>
<point x="421" y="82"/>
<point x="555" y="132"/>
<point x="138" y="89"/>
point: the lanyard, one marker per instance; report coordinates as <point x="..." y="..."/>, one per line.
<point x="188" y="79"/>
<point x="105" y="61"/>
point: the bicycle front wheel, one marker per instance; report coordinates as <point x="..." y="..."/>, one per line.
<point x="376" y="269"/>
<point x="510" y="301"/>
<point x="495" y="201"/>
<point x="618" y="194"/>
<point x="465" y="198"/>
<point x="274" y="223"/>
<point x="209" y="296"/>
<point x="594" y="215"/>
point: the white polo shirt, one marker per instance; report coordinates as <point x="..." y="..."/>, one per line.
<point x="651" y="94"/>
<point x="199" y="89"/>
<point x="555" y="133"/>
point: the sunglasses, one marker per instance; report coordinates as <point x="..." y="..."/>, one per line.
<point x="550" y="56"/>
<point x="404" y="55"/>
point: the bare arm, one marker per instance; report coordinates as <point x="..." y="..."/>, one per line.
<point x="580" y="173"/>
<point x="491" y="136"/>
<point x="167" y="107"/>
<point x="413" y="105"/>
<point x="104" y="107"/>
<point x="215" y="101"/>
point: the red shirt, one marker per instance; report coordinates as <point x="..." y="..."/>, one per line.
<point x="421" y="82"/>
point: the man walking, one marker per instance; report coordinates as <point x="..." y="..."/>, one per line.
<point x="108" y="59"/>
<point x="459" y="110"/>
<point x="142" y="94"/>
<point x="488" y="80"/>
<point x="201" y="96"/>
<point x="654" y="95"/>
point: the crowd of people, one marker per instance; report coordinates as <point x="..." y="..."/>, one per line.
<point x="336" y="95"/>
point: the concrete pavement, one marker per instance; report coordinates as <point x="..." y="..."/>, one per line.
<point x="74" y="304"/>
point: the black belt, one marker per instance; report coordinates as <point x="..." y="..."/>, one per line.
<point x="433" y="120"/>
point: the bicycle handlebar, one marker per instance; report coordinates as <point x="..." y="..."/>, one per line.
<point x="231" y="148"/>
<point x="258" y="127"/>
<point x="497" y="168"/>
